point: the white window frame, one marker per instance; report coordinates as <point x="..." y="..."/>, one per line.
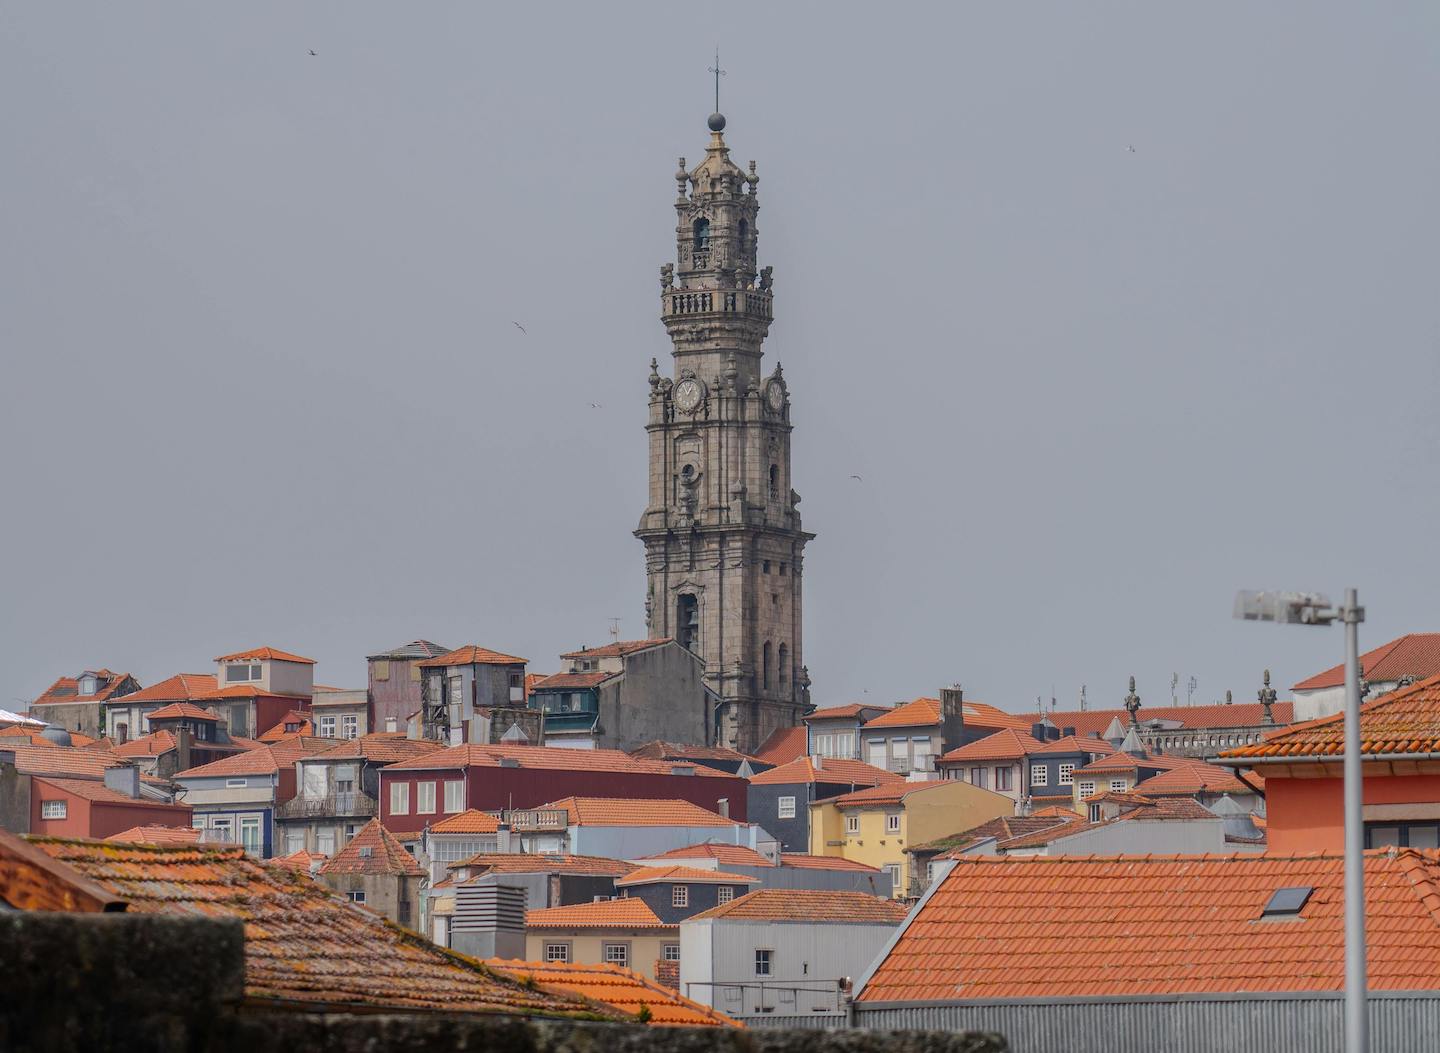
<point x="1119" y="785"/>
<point x="670" y="952"/>
<point x="236" y="784"/>
<point x="679" y="895"/>
<point x="1067" y="773"/>
<point x="57" y="809"/>
<point x="764" y="961"/>
<point x="327" y="727"/>
<point x="350" y="726"/>
<point x="454" y="795"/>
<point x="852" y="823"/>
<point x="399" y="798"/>
<point x="425" y="798"/>
<point x="252" y="823"/>
<point x="1085" y="788"/>
<point x="785" y="808"/>
<point x="557" y="952"/>
<point x="616" y="954"/>
<point x="1039" y="775"/>
<point x="725" y="894"/>
<point x="892" y="822"/>
<point x="356" y="896"/>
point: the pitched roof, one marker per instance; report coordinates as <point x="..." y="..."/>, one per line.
<point x="1198" y="718"/>
<point x="624" y="989"/>
<point x="851" y="710"/>
<point x="784" y="744"/>
<point x="627" y="913"/>
<point x="617" y="650"/>
<point x="637" y="811"/>
<point x="979" y="714"/>
<point x="301" y="859"/>
<point x="178" y="688"/>
<point x="1018" y="928"/>
<point x="303" y="943"/>
<point x="151" y="745"/>
<point x="1001" y="829"/>
<point x="1414" y="654"/>
<point x="809" y="770"/>
<point x="89" y="762"/>
<point x="96" y="790"/>
<point x="912" y="714"/>
<point x="888" y="793"/>
<point x="1190" y="779"/>
<point x="1005" y="744"/>
<point x="1078" y="744"/>
<point x="804" y="861"/>
<point x="373" y="850"/>
<point x="544" y="863"/>
<point x="684" y="875"/>
<point x="278" y="732"/>
<point x="470" y="821"/>
<point x="473" y="655"/>
<point x="67" y="688"/>
<point x="1406" y="721"/>
<point x="546" y="757"/>
<point x="413" y="649"/>
<point x="658" y="749"/>
<point x="1122" y="761"/>
<point x="264" y="760"/>
<point x="158" y="835"/>
<point x="808" y="905"/>
<point x="244" y="691"/>
<point x="183" y="710"/>
<point x="573" y="681"/>
<point x="271" y="654"/>
<point x="730" y="855"/>
<point x="381" y="747"/>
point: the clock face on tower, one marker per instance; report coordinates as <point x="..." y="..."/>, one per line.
<point x="687" y="395"/>
<point x="775" y="395"/>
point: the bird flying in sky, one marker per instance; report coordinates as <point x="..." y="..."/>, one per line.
<point x="520" y="327"/>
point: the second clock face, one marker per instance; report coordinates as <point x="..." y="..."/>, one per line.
<point x="687" y="395"/>
<point x="775" y="395"/>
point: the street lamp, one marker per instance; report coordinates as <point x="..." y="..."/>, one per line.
<point x="1309" y="608"/>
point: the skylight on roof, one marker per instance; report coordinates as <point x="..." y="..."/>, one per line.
<point x="1287" y="902"/>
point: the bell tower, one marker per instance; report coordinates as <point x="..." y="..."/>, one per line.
<point x="724" y="550"/>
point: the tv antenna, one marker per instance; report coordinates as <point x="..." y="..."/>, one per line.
<point x="1190" y="687"/>
<point x="1174" y="683"/>
<point x="614" y="630"/>
<point x="1082" y="698"/>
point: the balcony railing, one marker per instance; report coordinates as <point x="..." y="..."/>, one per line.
<point x="751" y="302"/>
<point x="336" y="805"/>
<point x="536" y="819"/>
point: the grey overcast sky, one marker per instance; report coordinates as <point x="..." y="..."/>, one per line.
<point x="261" y="382"/>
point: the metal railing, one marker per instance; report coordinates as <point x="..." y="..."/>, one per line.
<point x="752" y="997"/>
<point x="335" y="804"/>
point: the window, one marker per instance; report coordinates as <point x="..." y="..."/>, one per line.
<point x="875" y="751"/>
<point x="294" y="841"/>
<point x="1005" y="778"/>
<point x="349" y="727"/>
<point x="1117" y="784"/>
<point x="920" y="749"/>
<point x="784" y="655"/>
<point x="122" y="732"/>
<point x="687" y="622"/>
<point x="679" y="895"/>
<point x="980" y="777"/>
<point x="327" y="727"/>
<point x="892" y="823"/>
<point x="250" y="833"/>
<point x="455" y="796"/>
<point x="725" y="894"/>
<point x="356" y="895"/>
<point x="53" y="809"/>
<point x="343" y="786"/>
<point x="893" y="869"/>
<point x="557" y="952"/>
<point x="325" y="841"/>
<point x="786" y="808"/>
<point x="1087" y="789"/>
<point x="234" y="784"/>
<point x="399" y="798"/>
<point x="774" y="482"/>
<point x="1287" y="902"/>
<point x="424" y="798"/>
<point x="1039" y="775"/>
<point x="618" y="954"/>
<point x="241" y="674"/>
<point x="1402" y="835"/>
<point x="87" y="685"/>
<point x="765" y="566"/>
<point x="852" y="824"/>
<point x="784" y="569"/>
<point x="670" y="952"/>
<point x="766" y="661"/>
<point x="763" y="960"/>
<point x="1067" y="773"/>
<point x="700" y="231"/>
<point x="382" y="668"/>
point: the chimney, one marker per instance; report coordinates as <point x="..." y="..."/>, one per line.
<point x="952" y="718"/>
<point x="489" y="920"/>
<point x="1065" y="733"/>
<point x="723" y="807"/>
<point x="1037" y="731"/>
<point x="502" y="838"/>
<point x="124" y="779"/>
<point x="183" y="740"/>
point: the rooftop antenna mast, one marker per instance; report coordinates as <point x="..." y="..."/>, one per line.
<point x="1174" y="683"/>
<point x="1082" y="698"/>
<point x="1190" y="687"/>
<point x="715" y="69"/>
<point x="614" y="630"/>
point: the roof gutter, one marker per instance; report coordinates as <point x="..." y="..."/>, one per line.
<point x="1252" y="787"/>
<point x="1328" y="758"/>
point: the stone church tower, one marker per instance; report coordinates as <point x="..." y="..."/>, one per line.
<point x="724" y="551"/>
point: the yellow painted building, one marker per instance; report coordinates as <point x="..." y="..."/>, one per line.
<point x="622" y="932"/>
<point x="874" y="825"/>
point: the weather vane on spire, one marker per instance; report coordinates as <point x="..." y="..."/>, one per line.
<point x="715" y="69"/>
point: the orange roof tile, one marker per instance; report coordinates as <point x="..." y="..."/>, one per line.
<point x="95" y="790"/>
<point x="151" y="745"/>
<point x="730" y="855"/>
<point x="1414" y="654"/>
<point x="850" y="710"/>
<point x="278" y="732"/>
<point x="686" y="875"/>
<point x="624" y="989"/>
<point x="264" y="760"/>
<point x="302" y="860"/>
<point x="271" y="654"/>
<point x="66" y="689"/>
<point x="381" y="747"/>
<point x="1404" y="722"/>
<point x="1034" y="928"/>
<point x="244" y="691"/>
<point x="978" y="714"/>
<point x="544" y="863"/>
<point x="373" y="850"/>
<point x="469" y="821"/>
<point x="473" y="655"/>
<point x="304" y="943"/>
<point x="1189" y="779"/>
<point x="90" y="762"/>
<point x="659" y="749"/>
<point x="637" y="811"/>
<point x="1237" y="715"/>
<point x="920" y="712"/>
<point x="808" y="770"/>
<point x="808" y="862"/>
<point x="573" y="681"/>
<point x="889" y="793"/>
<point x="1005" y="744"/>
<point x="178" y="710"/>
<point x="627" y="913"/>
<point x="1000" y="829"/>
<point x="809" y="905"/>
<point x="617" y="650"/>
<point x="1120" y="761"/>
<point x="546" y="757"/>
<point x="784" y="744"/>
<point x="158" y="835"/>
<point x="178" y="688"/>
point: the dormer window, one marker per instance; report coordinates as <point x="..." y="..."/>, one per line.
<point x="242" y="673"/>
<point x="701" y="232"/>
<point x="88" y="685"/>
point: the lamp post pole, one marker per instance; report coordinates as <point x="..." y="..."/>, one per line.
<point x="1356" y="1022"/>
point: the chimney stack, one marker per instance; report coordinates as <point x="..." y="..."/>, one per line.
<point x="952" y="718"/>
<point x="124" y="779"/>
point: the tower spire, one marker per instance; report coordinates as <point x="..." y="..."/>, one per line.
<point x="715" y="69"/>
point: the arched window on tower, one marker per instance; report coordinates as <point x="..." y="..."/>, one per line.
<point x="744" y="235"/>
<point x="765" y="666"/>
<point x="784" y="665"/>
<point x="687" y="622"/>
<point x="701" y="229"/>
<point x="774" y="482"/>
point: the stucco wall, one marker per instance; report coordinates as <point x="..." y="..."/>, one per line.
<point x="661" y="696"/>
<point x="589" y="947"/>
<point x="1307" y="815"/>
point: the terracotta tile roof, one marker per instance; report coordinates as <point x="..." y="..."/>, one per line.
<point x="90" y="762"/>
<point x="573" y="681"/>
<point x="730" y="855"/>
<point x="546" y="757"/>
<point x="244" y="691"/>
<point x="373" y="850"/>
<point x="804" y="861"/>
<point x="889" y="793"/>
<point x="381" y="747"/>
<point x="787" y="904"/>
<point x="262" y="654"/>
<point x="623" y="989"/>
<point x="158" y="835"/>
<point x="302" y="860"/>
<point x="95" y="790"/>
<point x="784" y="744"/>
<point x="918" y="713"/>
<point x="1162" y="809"/>
<point x="264" y="760"/>
<point x="684" y="875"/>
<point x="278" y="732"/>
<point x="473" y="655"/>
<point x="470" y="821"/>
<point x="27" y="731"/>
<point x="809" y="770"/>
<point x="661" y="750"/>
<point x="979" y="714"/>
<point x="1057" y="810"/>
<point x="66" y="689"/>
<point x="179" y="688"/>
<point x="1077" y="744"/>
<point x="1021" y="928"/>
<point x="531" y="679"/>
<point x="1406" y="721"/>
<point x="1191" y="779"/>
<point x="617" y="650"/>
<point x="1043" y="835"/>
<point x="637" y="811"/>
<point x="183" y="710"/>
<point x="1001" y="829"/>
<point x="1118" y="762"/>
<point x="303" y="943"/>
<point x="851" y="710"/>
<point x="1414" y="654"/>
<point x="1005" y="744"/>
<point x="627" y="913"/>
<point x="544" y="863"/>
<point x="1198" y="718"/>
<point x="413" y="649"/>
<point x="151" y="745"/>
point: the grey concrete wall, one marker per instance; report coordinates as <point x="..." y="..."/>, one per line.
<point x="14" y="797"/>
<point x="661" y="696"/>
